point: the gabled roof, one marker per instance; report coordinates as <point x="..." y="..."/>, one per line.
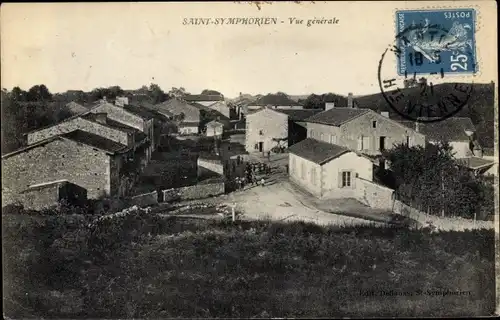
<point x="336" y="116"/>
<point x="204" y="97"/>
<point x="449" y="129"/>
<point x="138" y="134"/>
<point x="89" y="139"/>
<point x="475" y="163"/>
<point x="76" y="108"/>
<point x="298" y="115"/>
<point x="95" y="141"/>
<point x="317" y="151"/>
<point x="275" y="100"/>
<point x="175" y="106"/>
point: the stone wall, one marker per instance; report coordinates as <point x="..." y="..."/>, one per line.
<point x="203" y="189"/>
<point x="373" y="195"/>
<point x="145" y="199"/>
<point x="59" y="159"/>
<point x="41" y="198"/>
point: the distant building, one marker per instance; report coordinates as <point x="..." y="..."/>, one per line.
<point x="458" y="131"/>
<point x="76" y="108"/>
<point x="186" y="127"/>
<point x="274" y="101"/>
<point x="84" y="159"/>
<point x="214" y="102"/>
<point x="214" y="129"/>
<point x="182" y="112"/>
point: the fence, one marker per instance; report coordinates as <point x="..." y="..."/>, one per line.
<point x="374" y="195"/>
<point x="145" y="199"/>
<point x="204" y="189"/>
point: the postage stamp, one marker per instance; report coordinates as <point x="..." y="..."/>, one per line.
<point x="436" y="41"/>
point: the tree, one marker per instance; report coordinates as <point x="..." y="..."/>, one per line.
<point x="211" y="92"/>
<point x="156" y="94"/>
<point x="39" y="93"/>
<point x="430" y="179"/>
<point x="177" y="93"/>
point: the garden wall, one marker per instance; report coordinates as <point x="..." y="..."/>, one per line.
<point x="374" y="195"/>
<point x="204" y="189"/>
<point x="145" y="199"/>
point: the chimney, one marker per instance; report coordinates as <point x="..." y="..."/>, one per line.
<point x="329" y="105"/>
<point x="385" y="114"/>
<point x="100" y="118"/>
<point x="350" y="103"/>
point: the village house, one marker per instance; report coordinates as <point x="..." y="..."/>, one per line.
<point x="361" y="130"/>
<point x="85" y="159"/>
<point x="327" y="170"/>
<point x="186" y="115"/>
<point x="214" y="129"/>
<point x="268" y="128"/>
<point x="76" y="108"/>
<point x="214" y="102"/>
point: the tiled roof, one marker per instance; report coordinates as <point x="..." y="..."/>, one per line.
<point x="140" y="111"/>
<point x="275" y="100"/>
<point x="336" y="116"/>
<point x="185" y="124"/>
<point x="138" y="134"/>
<point x="95" y="141"/>
<point x="76" y="108"/>
<point x="317" y="151"/>
<point x="449" y="129"/>
<point x="204" y="97"/>
<point x="175" y="107"/>
<point x="475" y="162"/>
<point x="298" y="115"/>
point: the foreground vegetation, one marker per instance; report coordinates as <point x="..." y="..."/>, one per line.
<point x="141" y="265"/>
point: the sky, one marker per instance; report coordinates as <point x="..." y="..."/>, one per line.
<point x="81" y="46"/>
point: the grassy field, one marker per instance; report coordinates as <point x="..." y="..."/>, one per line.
<point x="144" y="266"/>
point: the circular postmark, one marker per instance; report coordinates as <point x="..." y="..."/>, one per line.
<point x="418" y="89"/>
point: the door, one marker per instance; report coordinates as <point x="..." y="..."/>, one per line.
<point x="261" y="146"/>
<point x="382" y="143"/>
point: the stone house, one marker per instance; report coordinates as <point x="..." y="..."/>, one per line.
<point x="214" y="129"/>
<point x="134" y="117"/>
<point x="181" y="112"/>
<point x="214" y="102"/>
<point x="265" y="124"/>
<point x="85" y="159"/>
<point x="263" y="127"/>
<point x="327" y="170"/>
<point x="76" y="108"/>
<point x="460" y="132"/>
<point x="362" y="130"/>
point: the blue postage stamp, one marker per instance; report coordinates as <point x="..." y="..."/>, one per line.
<point x="436" y="41"/>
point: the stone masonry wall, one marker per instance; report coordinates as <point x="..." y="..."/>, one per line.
<point x="60" y="159"/>
<point x="373" y="195"/>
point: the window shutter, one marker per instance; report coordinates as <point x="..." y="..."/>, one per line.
<point x="340" y="179"/>
<point x="360" y="143"/>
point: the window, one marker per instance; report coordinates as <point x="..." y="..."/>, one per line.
<point x="322" y="136"/>
<point x="346" y="179"/>
<point x="256" y="147"/>
<point x="333" y="139"/>
<point x="312" y="134"/>
<point x="261" y="132"/>
<point x="303" y="170"/>
<point x="313" y="176"/>
<point x="292" y="167"/>
<point x="374" y="124"/>
<point x="408" y="141"/>
<point x="366" y="143"/>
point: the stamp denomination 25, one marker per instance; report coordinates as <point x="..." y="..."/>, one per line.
<point x="436" y="41"/>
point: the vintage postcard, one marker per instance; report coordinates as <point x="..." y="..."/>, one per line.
<point x="298" y="159"/>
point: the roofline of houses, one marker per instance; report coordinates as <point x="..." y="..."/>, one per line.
<point x="59" y="137"/>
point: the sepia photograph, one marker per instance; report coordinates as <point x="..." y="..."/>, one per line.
<point x="250" y="159"/>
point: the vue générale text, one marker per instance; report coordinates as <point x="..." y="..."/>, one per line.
<point x="259" y="21"/>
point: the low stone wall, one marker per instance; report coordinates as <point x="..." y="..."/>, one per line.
<point x="145" y="199"/>
<point x="203" y="189"/>
<point x="373" y="195"/>
<point x="441" y="223"/>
